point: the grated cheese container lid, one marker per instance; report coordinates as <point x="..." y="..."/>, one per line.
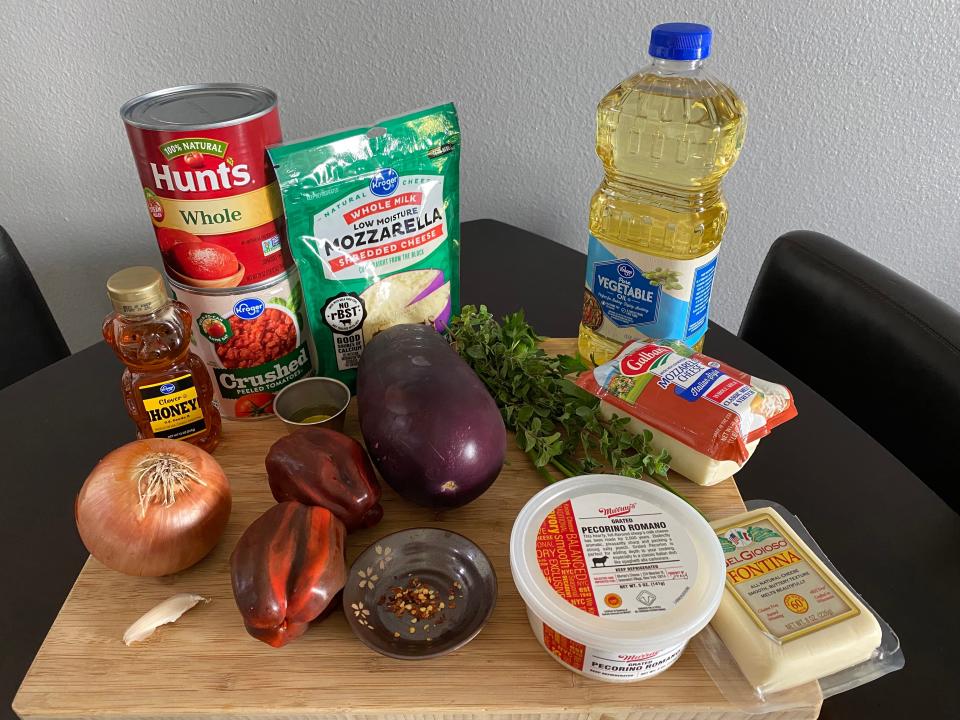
<point x="616" y="562"/>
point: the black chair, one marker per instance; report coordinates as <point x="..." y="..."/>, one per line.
<point x="31" y="338"/>
<point x="881" y="349"/>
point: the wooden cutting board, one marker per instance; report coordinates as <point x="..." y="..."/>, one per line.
<point x="206" y="666"/>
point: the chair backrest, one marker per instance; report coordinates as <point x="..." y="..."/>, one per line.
<point x="881" y="349"/>
<point x="31" y="338"/>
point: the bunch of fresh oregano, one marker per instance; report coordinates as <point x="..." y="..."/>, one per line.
<point x="557" y="424"/>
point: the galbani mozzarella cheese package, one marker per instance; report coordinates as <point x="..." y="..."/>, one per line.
<point x="373" y="222"/>
<point x="706" y="414"/>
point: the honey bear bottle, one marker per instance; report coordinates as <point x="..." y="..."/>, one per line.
<point x="166" y="388"/>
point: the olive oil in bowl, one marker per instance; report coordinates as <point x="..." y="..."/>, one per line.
<point x="313" y="402"/>
<point x="311" y="415"/>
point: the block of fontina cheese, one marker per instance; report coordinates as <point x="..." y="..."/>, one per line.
<point x="785" y="617"/>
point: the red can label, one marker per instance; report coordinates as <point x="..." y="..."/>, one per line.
<point x="214" y="202"/>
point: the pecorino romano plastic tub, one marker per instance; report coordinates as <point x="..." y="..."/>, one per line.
<point x="617" y="575"/>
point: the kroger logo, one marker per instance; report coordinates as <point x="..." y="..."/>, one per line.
<point x="167" y="388"/>
<point x="625" y="271"/>
<point x="248" y="308"/>
<point x="384" y="182"/>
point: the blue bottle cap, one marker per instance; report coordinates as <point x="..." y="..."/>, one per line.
<point x="680" y="41"/>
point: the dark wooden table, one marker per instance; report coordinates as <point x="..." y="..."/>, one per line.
<point x="893" y="539"/>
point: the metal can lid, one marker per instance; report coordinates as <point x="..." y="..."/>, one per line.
<point x="137" y="290"/>
<point x="198" y="107"/>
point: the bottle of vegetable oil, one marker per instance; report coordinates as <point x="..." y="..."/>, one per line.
<point x="666" y="135"/>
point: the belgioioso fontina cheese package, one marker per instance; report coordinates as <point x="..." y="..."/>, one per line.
<point x="373" y="223"/>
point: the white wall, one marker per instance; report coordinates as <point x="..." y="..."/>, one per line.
<point x="854" y="113"/>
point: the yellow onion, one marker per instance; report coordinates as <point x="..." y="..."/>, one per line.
<point x="153" y="507"/>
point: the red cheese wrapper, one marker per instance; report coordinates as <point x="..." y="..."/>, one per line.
<point x="703" y="403"/>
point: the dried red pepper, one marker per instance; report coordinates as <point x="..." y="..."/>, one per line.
<point x="286" y="568"/>
<point x="317" y="466"/>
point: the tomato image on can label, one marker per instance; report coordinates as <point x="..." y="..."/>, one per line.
<point x="210" y="191"/>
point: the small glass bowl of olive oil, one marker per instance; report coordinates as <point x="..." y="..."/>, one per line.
<point x="313" y="402"/>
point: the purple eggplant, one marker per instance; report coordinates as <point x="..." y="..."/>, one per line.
<point x="429" y="424"/>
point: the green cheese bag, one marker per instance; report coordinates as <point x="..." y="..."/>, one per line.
<point x="373" y="221"/>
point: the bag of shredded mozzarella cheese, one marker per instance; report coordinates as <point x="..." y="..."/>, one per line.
<point x="373" y="222"/>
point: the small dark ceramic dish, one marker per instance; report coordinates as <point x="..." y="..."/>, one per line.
<point x="443" y="561"/>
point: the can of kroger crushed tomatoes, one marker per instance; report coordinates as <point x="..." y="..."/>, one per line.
<point x="254" y="340"/>
<point x="209" y="187"/>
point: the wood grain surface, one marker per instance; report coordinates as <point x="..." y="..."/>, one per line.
<point x="206" y="666"/>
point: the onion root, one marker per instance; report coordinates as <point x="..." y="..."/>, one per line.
<point x="161" y="477"/>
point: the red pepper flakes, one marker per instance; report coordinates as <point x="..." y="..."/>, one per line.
<point x="416" y="600"/>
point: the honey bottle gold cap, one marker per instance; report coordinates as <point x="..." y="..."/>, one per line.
<point x="137" y="291"/>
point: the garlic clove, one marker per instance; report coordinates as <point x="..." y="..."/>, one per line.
<point x="167" y="611"/>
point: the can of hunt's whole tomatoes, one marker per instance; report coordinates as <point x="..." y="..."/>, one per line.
<point x="209" y="187"/>
<point x="254" y="340"/>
